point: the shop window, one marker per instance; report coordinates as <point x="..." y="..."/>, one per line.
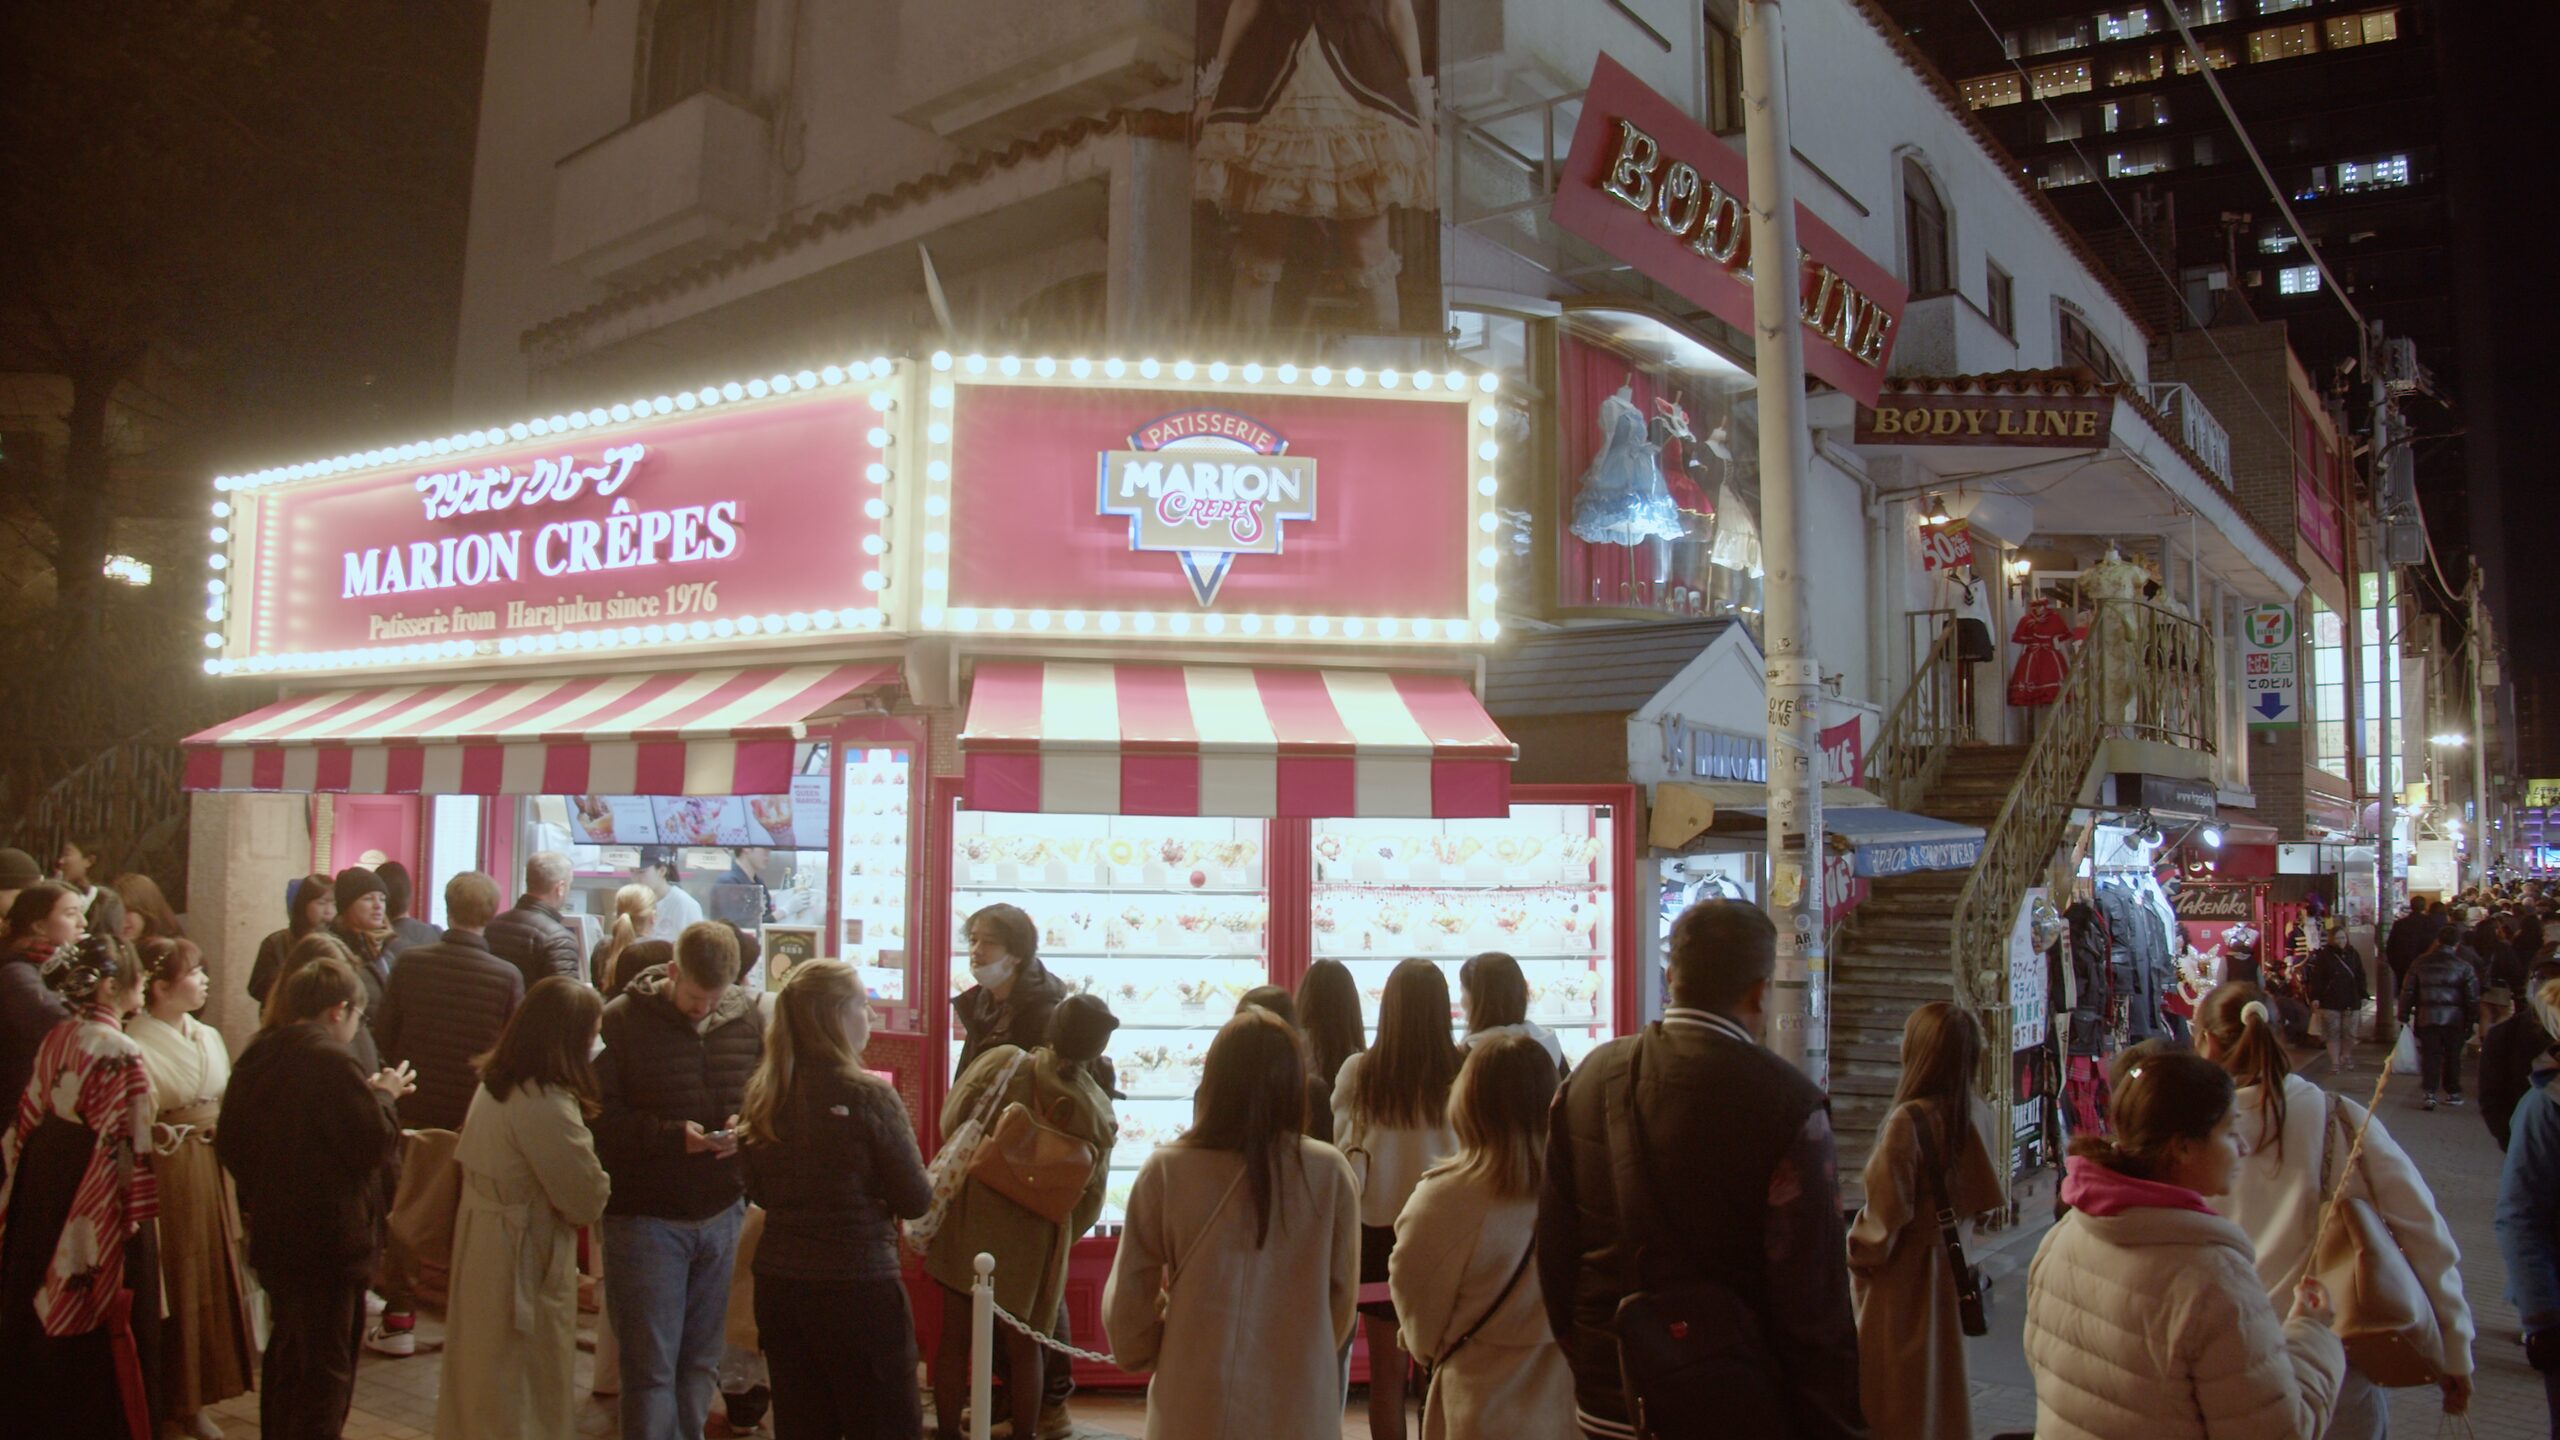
<point x="2068" y="78"/>
<point x="2000" y="299"/>
<point x="696" y="45"/>
<point x="2283" y="42"/>
<point x="2298" y="280"/>
<point x="1924" y="222"/>
<point x="1985" y="92"/>
<point x="2328" y="690"/>
<point x="1724" y="79"/>
<point x="2081" y="347"/>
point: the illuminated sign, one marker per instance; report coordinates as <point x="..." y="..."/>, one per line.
<point x="1207" y="485"/>
<point x="2054" y="422"/>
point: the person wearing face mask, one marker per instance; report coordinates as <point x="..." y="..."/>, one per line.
<point x="2146" y="1319"/>
<point x="314" y="1147"/>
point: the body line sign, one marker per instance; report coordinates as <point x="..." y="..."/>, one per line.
<point x="1654" y="188"/>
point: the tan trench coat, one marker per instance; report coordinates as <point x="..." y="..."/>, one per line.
<point x="1030" y="1251"/>
<point x="1911" y="1376"/>
<point x="530" y="1178"/>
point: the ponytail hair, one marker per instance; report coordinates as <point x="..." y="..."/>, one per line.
<point x="2242" y="1023"/>
<point x="2160" y="1096"/>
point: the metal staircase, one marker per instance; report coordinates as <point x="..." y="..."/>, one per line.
<point x="2144" y="673"/>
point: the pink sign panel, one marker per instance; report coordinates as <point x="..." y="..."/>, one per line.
<point x="1656" y="189"/>
<point x="1069" y="498"/>
<point x="749" y="510"/>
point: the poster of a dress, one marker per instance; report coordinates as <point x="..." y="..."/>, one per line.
<point x="1315" y="180"/>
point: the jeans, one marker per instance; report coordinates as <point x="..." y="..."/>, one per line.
<point x="2340" y="1028"/>
<point x="2440" y="1058"/>
<point x="2361" y="1412"/>
<point x="843" y="1356"/>
<point x="309" y="1382"/>
<point x="667" y="1283"/>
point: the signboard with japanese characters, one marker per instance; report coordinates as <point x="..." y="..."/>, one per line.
<point x="2270" y="673"/>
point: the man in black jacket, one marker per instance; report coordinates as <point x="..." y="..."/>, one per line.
<point x="314" y="1147"/>
<point x="2441" y="997"/>
<point x="1757" y="1207"/>
<point x="446" y="1006"/>
<point x="2511" y="1051"/>
<point x="533" y="937"/>
<point x="679" y="1044"/>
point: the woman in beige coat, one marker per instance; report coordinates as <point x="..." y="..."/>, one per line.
<point x="530" y="1178"/>
<point x="1911" y="1376"/>
<point x="1465" y="1292"/>
<point x="2145" y="1317"/>
<point x="1240" y="1261"/>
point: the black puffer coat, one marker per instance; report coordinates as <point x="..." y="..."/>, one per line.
<point x="832" y="1191"/>
<point x="533" y="938"/>
<point x="2442" y="989"/>
<point x="446" y="1005"/>
<point x="659" y="1071"/>
<point x="315" y="1151"/>
<point x="2334" y="977"/>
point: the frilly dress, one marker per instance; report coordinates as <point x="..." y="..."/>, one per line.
<point x="1622" y="499"/>
<point x="1314" y="117"/>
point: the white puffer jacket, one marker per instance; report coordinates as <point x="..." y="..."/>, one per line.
<point x="2150" y="1325"/>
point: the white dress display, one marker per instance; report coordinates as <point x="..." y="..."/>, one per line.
<point x="1622" y="499"/>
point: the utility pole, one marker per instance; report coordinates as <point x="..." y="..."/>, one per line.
<point x="2479" y="739"/>
<point x="2386" y="688"/>
<point x="1799" y="1026"/>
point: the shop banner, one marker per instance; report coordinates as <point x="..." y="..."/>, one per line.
<point x="2270" y="678"/>
<point x="1222" y="503"/>
<point x="641" y="528"/>
<point x="1946" y="547"/>
<point x="2060" y="422"/>
<point x="1654" y="188"/>
<point x="2316" y="518"/>
<point x="2225" y="903"/>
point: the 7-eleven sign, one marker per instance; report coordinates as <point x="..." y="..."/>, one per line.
<point x="2270" y="677"/>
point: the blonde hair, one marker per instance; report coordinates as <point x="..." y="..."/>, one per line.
<point x="310" y="949"/>
<point x="1498" y="1107"/>
<point x="807" y="1037"/>
<point x="2546" y="1005"/>
<point x="635" y="912"/>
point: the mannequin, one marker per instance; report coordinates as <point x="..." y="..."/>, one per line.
<point x="1622" y="499"/>
<point x="2115" y="584"/>
<point x="1971" y="604"/>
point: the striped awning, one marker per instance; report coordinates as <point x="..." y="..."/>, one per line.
<point x="668" y="732"/>
<point x="1101" y="739"/>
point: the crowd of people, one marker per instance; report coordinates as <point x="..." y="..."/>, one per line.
<point x="1528" y="1248"/>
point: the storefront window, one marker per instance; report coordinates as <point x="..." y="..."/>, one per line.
<point x="1658" y="494"/>
<point x="2328" y="690"/>
<point x="2379" y="673"/>
<point x="453" y="847"/>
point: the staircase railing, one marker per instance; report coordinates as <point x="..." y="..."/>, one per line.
<point x="1911" y="746"/>
<point x="128" y="799"/>
<point x="2144" y="673"/>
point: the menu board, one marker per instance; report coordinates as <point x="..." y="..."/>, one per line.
<point x="701" y="819"/>
<point x="612" y="820"/>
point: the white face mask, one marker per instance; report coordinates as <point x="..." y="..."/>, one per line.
<point x="996" y="974"/>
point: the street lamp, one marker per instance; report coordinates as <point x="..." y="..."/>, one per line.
<point x="2450" y="741"/>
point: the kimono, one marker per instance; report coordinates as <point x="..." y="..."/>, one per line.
<point x="209" y="1355"/>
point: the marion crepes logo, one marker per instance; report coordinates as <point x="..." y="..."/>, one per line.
<point x="1207" y="486"/>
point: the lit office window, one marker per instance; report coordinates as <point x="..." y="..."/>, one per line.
<point x="2278" y="242"/>
<point x="2386" y="173"/>
<point x="2131" y="24"/>
<point x="2203" y="12"/>
<point x="2071" y="77"/>
<point x="2283" y="42"/>
<point x="2298" y="280"/>
<point x="2137" y="69"/>
<point x="2056" y="35"/>
<point x="2217" y="54"/>
<point x="1983" y="92"/>
<point x="2278" y="7"/>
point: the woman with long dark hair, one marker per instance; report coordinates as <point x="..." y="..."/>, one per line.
<point x="1466" y="1295"/>
<point x="1242" y="1241"/>
<point x="313" y="906"/>
<point x="832" y="1160"/>
<point x="1391" y="1117"/>
<point x="1494" y="997"/>
<point x="1319" y="1087"/>
<point x="1933" y="1154"/>
<point x="1329" y="1016"/>
<point x="207" y="1354"/>
<point x="78" y="1258"/>
<point x="2293" y="1132"/>
<point x="530" y="1179"/>
<point x="2145" y="1316"/>
<point x="144" y="902"/>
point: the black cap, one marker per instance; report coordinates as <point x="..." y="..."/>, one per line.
<point x="661" y="856"/>
<point x="1081" y="1026"/>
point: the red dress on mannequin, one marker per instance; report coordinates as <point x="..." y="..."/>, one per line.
<point x="2037" y="678"/>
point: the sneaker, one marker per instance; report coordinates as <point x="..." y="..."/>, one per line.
<point x="398" y="1343"/>
<point x="2427" y="1104"/>
<point x="2454" y="1100"/>
<point x="746" y="1408"/>
<point x="198" y="1426"/>
<point x="1055" y="1423"/>
<point x="374" y="1305"/>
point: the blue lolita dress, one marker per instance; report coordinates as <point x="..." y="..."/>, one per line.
<point x="1623" y="499"/>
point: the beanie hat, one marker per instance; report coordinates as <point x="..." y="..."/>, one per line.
<point x="1081" y="1026"/>
<point x="17" y="869"/>
<point x="354" y="883"/>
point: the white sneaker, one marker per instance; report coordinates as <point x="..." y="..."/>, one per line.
<point x="374" y="1305"/>
<point x="382" y="1340"/>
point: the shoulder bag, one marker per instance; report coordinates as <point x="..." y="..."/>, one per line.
<point x="950" y="1168"/>
<point x="2385" y="1319"/>
<point x="1431" y="1365"/>
<point x="1973" y="1292"/>
<point x="1029" y="1160"/>
<point x="1182" y="1262"/>
<point x="1692" y="1354"/>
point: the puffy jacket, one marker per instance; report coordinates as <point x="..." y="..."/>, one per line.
<point x="1020" y="1019"/>
<point x="315" y="1151"/>
<point x="2442" y="989"/>
<point x="445" y="1006"/>
<point x="2529" y="1208"/>
<point x="28" y="1011"/>
<point x="832" y="1190"/>
<point x="2150" y="1324"/>
<point x="659" y="1070"/>
<point x="2334" y="977"/>
<point x="533" y="938"/>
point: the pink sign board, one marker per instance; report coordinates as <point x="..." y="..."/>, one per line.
<point x="1108" y="498"/>
<point x="1656" y="189"/>
<point x="749" y="510"/>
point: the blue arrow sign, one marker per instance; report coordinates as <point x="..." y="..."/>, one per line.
<point x="2270" y="706"/>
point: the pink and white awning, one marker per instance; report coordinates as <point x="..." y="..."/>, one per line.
<point x="672" y="732"/>
<point x="1102" y="739"/>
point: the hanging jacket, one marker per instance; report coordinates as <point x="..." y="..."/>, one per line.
<point x="2442" y="989"/>
<point x="2089" y="985"/>
<point x="2135" y="959"/>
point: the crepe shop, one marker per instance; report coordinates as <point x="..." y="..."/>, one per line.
<point x="1181" y="658"/>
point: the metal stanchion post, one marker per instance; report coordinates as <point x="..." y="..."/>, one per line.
<point x="982" y="1346"/>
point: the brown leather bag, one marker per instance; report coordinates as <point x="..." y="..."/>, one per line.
<point x="1034" y="1164"/>
<point x="2385" y="1319"/>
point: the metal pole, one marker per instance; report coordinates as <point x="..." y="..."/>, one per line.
<point x="982" y="1347"/>
<point x="2387" y="672"/>
<point x="1798" y="1005"/>
<point x="2480" y="831"/>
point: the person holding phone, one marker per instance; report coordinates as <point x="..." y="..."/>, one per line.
<point x="680" y="1042"/>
